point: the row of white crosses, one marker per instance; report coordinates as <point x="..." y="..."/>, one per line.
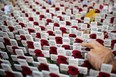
<point x="20" y="52"/>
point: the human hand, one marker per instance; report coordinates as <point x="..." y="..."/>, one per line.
<point x="98" y="54"/>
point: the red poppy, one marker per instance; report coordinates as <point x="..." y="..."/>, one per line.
<point x="77" y="40"/>
<point x="57" y="9"/>
<point x="9" y="74"/>
<point x="26" y="15"/>
<point x="23" y="11"/>
<point x="63" y="13"/>
<point x="11" y="28"/>
<point x="58" y="39"/>
<point x="53" y="50"/>
<point x="35" y="23"/>
<point x="56" y="24"/>
<point x="53" y="5"/>
<point x="7" y="41"/>
<point x="30" y="44"/>
<point x="87" y="64"/>
<point x="43" y="66"/>
<point x="97" y="10"/>
<point x="80" y="9"/>
<point x="44" y="7"/>
<point x="72" y="35"/>
<point x="47" y="10"/>
<point x="61" y="5"/>
<point x="75" y="27"/>
<point x="14" y="47"/>
<point x="63" y="29"/>
<point x="31" y="30"/>
<point x="105" y="34"/>
<point x="93" y="36"/>
<point x="53" y="75"/>
<point x="51" y="33"/>
<point x="52" y="14"/>
<point x="30" y="6"/>
<point x="37" y="3"/>
<point x="42" y="27"/>
<point x="76" y="54"/>
<point x="37" y="13"/>
<point x="101" y="6"/>
<point x="21" y="57"/>
<point x="114" y="52"/>
<point x="68" y="23"/>
<point x="38" y="53"/>
<point x="48" y="21"/>
<point x="61" y="59"/>
<point x="44" y="42"/>
<point x="34" y="10"/>
<point x="73" y="70"/>
<point x="26" y="70"/>
<point x="38" y="35"/>
<point x="84" y="5"/>
<point x="66" y="47"/>
<point x="5" y="23"/>
<point x="112" y="43"/>
<point x="31" y="19"/>
<point x="82" y="18"/>
<point x="100" y="41"/>
<point x="22" y="24"/>
<point x="79" y="20"/>
<point x="60" y="17"/>
<point x="41" y="16"/>
<point x="22" y="37"/>
<point x="103" y="74"/>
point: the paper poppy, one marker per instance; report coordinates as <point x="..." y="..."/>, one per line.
<point x="60" y="17"/>
<point x="63" y="29"/>
<point x="9" y="74"/>
<point x="30" y="44"/>
<point x="79" y="20"/>
<point x="26" y="70"/>
<point x="66" y="47"/>
<point x="37" y="13"/>
<point x="47" y="10"/>
<point x="51" y="33"/>
<point x="63" y="13"/>
<point x="5" y="23"/>
<point x="105" y="34"/>
<point x="112" y="43"/>
<point x="114" y="52"/>
<point x="43" y="66"/>
<point x="97" y="10"/>
<point x="103" y="74"/>
<point x="44" y="42"/>
<point x="21" y="57"/>
<point x="57" y="9"/>
<point x="44" y="7"/>
<point x="101" y="6"/>
<point x="42" y="27"/>
<point x="75" y="27"/>
<point x="31" y="19"/>
<point x="30" y="6"/>
<point x="53" y="75"/>
<point x="22" y="24"/>
<point x="53" y="50"/>
<point x="34" y="10"/>
<point x="11" y="28"/>
<point x="58" y="39"/>
<point x="41" y="16"/>
<point x="61" y="59"/>
<point x="38" y="35"/>
<point x="7" y="41"/>
<point x="22" y="37"/>
<point x="31" y="30"/>
<point x="72" y="35"/>
<point x="14" y="48"/>
<point x="35" y="23"/>
<point x="52" y="14"/>
<point x="76" y="54"/>
<point x="100" y="41"/>
<point x="73" y="70"/>
<point x="93" y="36"/>
<point x="48" y="21"/>
<point x="38" y="53"/>
<point x="80" y="9"/>
<point x="53" y="5"/>
<point x="68" y="23"/>
<point x="56" y="24"/>
<point x="112" y="19"/>
<point x="87" y="64"/>
<point x="26" y="15"/>
<point x="77" y="40"/>
<point x="37" y="3"/>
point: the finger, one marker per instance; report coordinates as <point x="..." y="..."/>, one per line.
<point x="88" y="45"/>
